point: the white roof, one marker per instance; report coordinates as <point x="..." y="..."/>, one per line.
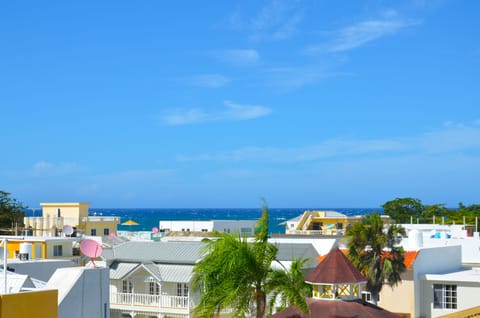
<point x="468" y="276"/>
<point x="15" y="282"/>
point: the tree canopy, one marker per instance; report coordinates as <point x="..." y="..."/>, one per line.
<point x="407" y="210"/>
<point x="373" y="249"/>
<point x="11" y="212"/>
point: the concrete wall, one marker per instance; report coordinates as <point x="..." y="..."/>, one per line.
<point x="389" y="297"/>
<point x="433" y="260"/>
<point x="67" y="249"/>
<point x="229" y="226"/>
<point x="83" y="292"/>
<point x="192" y="226"/>
<point x="38" y="304"/>
<point x="72" y="212"/>
<point x="467" y="297"/>
<point x="41" y="270"/>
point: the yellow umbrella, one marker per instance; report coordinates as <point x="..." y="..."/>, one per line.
<point x="130" y="222"/>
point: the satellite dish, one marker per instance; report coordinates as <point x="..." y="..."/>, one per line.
<point x="91" y="249"/>
<point x="67" y="229"/>
<point x="155" y="230"/>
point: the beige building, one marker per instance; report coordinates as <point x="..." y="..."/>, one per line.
<point x="60" y="218"/>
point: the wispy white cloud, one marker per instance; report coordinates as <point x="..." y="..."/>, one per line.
<point x="230" y="112"/>
<point x="290" y="78"/>
<point x="450" y="139"/>
<point x="276" y="20"/>
<point x="209" y="80"/>
<point x="44" y="168"/>
<point x="238" y="57"/>
<point x="364" y="32"/>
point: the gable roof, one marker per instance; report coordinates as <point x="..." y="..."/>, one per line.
<point x="335" y="269"/>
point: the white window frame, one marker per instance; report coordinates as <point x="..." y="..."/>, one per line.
<point x="445" y="296"/>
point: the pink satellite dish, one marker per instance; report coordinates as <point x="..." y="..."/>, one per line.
<point x="155" y="230"/>
<point x="111" y="234"/>
<point x="91" y="249"/>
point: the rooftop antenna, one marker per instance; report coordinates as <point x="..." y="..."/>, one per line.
<point x="91" y="249"/>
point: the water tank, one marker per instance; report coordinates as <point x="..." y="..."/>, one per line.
<point x="415" y="239"/>
<point x="25" y="251"/>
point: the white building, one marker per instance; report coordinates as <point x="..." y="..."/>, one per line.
<point x="451" y="292"/>
<point x="246" y="227"/>
<point x="82" y="292"/>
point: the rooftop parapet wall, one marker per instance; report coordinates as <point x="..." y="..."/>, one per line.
<point x="41" y="304"/>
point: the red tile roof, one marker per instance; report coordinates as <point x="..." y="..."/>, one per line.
<point x="337" y="309"/>
<point x="410" y="257"/>
<point x="335" y="269"/>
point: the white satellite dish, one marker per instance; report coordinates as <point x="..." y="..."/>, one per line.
<point x="68" y="230"/>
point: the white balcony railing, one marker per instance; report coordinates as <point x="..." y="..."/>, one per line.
<point x="147" y="300"/>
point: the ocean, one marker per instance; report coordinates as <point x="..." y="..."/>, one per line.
<point x="149" y="218"/>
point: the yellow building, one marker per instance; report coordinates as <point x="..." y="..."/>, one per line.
<point x="38" y="304"/>
<point x="321" y="223"/>
<point x="58" y="216"/>
<point x="29" y="247"/>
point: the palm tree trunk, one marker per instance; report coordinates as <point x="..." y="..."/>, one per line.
<point x="261" y="303"/>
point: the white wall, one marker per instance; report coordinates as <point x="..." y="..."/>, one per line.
<point x="192" y="226"/>
<point x="234" y="226"/>
<point x="434" y="260"/>
<point x="229" y="226"/>
<point x="83" y="292"/>
<point x="39" y="269"/>
<point x="467" y="297"/>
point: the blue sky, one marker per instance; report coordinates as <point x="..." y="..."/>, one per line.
<point x="218" y="104"/>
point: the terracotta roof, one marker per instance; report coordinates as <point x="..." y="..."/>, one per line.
<point x="410" y="257"/>
<point x="337" y="309"/>
<point x="335" y="269"/>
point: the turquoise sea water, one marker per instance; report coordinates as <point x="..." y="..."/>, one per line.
<point x="149" y="218"/>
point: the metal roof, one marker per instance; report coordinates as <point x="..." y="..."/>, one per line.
<point x="120" y="270"/>
<point x="175" y="273"/>
<point x="158" y="252"/>
<point x="289" y="251"/>
<point x="15" y="282"/>
<point x="163" y="272"/>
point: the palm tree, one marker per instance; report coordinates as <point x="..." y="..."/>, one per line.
<point x="375" y="252"/>
<point x="235" y="273"/>
<point x="296" y="293"/>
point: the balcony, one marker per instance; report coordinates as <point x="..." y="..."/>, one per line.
<point x="150" y="303"/>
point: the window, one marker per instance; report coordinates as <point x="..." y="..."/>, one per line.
<point x="367" y="296"/>
<point x="127" y="286"/>
<point x="153" y="288"/>
<point x="182" y="289"/>
<point x="57" y="250"/>
<point x="93" y="232"/>
<point x="106" y="231"/>
<point x="445" y="296"/>
<point x="246" y="230"/>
